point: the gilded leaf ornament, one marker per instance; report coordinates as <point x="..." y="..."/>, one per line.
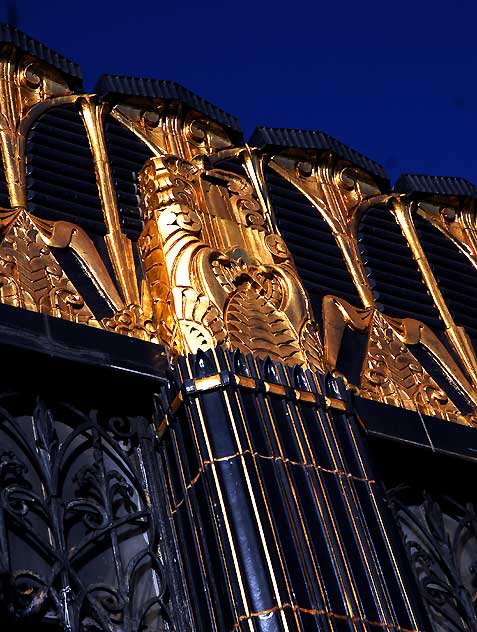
<point x="31" y="277"/>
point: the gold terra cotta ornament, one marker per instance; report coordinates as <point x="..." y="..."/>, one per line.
<point x="217" y="271"/>
<point x="341" y="194"/>
<point x="230" y="281"/>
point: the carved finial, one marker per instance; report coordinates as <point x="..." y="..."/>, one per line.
<point x="299" y="379"/>
<point x="240" y="364"/>
<point x="270" y="372"/>
<point x="204" y="365"/>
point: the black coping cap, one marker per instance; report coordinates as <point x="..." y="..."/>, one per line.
<point x="164" y="89"/>
<point x="314" y="139"/>
<point x="435" y="185"/>
<point x="11" y="35"/>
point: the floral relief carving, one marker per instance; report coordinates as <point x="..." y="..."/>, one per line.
<point x="391" y="372"/>
<point x="32" y="278"/>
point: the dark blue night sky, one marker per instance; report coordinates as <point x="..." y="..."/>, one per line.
<point x="395" y="80"/>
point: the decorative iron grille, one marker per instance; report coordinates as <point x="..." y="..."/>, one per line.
<point x="78" y="536"/>
<point x="433" y="502"/>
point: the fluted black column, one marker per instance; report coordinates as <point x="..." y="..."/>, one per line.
<point x="277" y="515"/>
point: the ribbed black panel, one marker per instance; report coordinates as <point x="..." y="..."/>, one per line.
<point x="389" y="263"/>
<point x="234" y="165"/>
<point x="61" y="185"/>
<point x="127" y="155"/>
<point x="10" y="34"/>
<point x="61" y="179"/>
<point x="317" y="256"/>
<point x="314" y="139"/>
<point x="456" y="277"/>
<point x="437" y="185"/>
<point x="163" y="89"/>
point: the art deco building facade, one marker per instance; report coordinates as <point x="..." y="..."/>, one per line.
<point x="239" y="385"/>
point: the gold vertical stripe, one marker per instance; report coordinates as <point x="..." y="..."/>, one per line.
<point x="255" y="509"/>
<point x="228" y="528"/>
<point x="119" y="246"/>
<point x="196" y="535"/>
<point x="461" y="345"/>
<point x="269" y="516"/>
<point x="331" y="519"/>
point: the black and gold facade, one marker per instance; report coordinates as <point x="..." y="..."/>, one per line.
<point x="240" y="392"/>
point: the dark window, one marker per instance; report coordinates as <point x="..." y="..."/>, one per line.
<point x="61" y="180"/>
<point x="456" y="276"/>
<point x="389" y="263"/>
<point x="127" y="155"/>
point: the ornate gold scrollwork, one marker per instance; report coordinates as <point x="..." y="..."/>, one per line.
<point x="390" y="372"/>
<point x="24" y="84"/>
<point x="63" y="234"/>
<point x="132" y="321"/>
<point x="28" y="88"/>
<point x="31" y="277"/>
<point x="340" y="192"/>
<point x="458" y="223"/>
<point x="402" y="210"/>
<point x="170" y="128"/>
<point x="217" y="271"/>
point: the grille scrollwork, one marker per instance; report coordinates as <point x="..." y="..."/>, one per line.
<point x="78" y="539"/>
<point x="440" y="535"/>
